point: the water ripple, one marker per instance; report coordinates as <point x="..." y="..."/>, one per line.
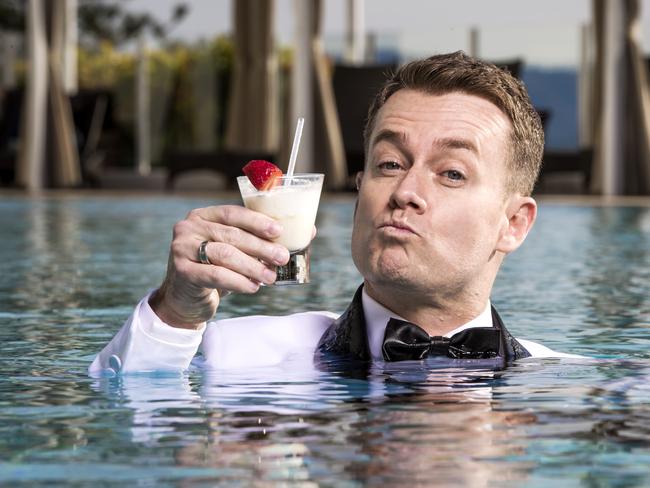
<point x="73" y="267"/>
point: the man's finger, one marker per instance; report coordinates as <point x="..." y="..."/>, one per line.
<point x="237" y="216"/>
<point x="217" y="277"/>
<point x="227" y="256"/>
<point x="248" y="243"/>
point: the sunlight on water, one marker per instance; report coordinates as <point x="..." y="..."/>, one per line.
<point x="72" y="268"/>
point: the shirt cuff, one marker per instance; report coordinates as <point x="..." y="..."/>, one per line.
<point x="155" y="328"/>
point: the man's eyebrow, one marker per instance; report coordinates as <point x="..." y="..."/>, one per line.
<point x="399" y="139"/>
<point x="391" y="136"/>
<point x="453" y="143"/>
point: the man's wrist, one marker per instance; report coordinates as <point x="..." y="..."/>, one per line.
<point x="166" y="313"/>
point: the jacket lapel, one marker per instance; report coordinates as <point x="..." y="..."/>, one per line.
<point x="347" y="337"/>
<point x="510" y="348"/>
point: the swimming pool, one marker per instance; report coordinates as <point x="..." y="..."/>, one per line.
<point x="73" y="266"/>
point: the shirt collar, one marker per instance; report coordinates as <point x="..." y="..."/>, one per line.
<point x="377" y="316"/>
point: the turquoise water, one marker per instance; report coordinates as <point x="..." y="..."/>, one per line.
<point x="72" y="268"/>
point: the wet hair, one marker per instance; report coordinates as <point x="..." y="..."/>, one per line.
<point x="458" y="72"/>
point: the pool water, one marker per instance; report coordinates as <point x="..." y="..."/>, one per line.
<point x="72" y="267"/>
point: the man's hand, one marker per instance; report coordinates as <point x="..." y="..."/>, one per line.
<point x="242" y="257"/>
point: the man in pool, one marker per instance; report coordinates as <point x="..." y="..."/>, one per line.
<point x="453" y="149"/>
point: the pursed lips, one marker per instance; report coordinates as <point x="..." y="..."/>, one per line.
<point x="399" y="226"/>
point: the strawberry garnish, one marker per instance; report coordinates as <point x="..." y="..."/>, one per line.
<point x="264" y="175"/>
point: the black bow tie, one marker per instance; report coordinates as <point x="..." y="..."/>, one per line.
<point x="404" y="340"/>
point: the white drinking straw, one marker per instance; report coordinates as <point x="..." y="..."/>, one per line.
<point x="296" y="145"/>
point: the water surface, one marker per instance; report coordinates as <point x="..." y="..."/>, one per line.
<point x="73" y="267"/>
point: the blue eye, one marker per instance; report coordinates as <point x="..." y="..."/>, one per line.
<point x="389" y="165"/>
<point x="454" y="175"/>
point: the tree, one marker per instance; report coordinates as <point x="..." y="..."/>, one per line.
<point x="100" y="20"/>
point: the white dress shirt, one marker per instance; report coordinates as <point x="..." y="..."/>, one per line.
<point x="145" y="343"/>
<point x="377" y="316"/>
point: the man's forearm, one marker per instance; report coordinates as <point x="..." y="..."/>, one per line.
<point x="161" y="304"/>
<point x="146" y="343"/>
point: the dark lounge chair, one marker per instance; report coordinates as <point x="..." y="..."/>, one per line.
<point x="10" y="134"/>
<point x="354" y="88"/>
<point x="226" y="163"/>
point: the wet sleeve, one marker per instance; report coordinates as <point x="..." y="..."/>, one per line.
<point x="146" y="344"/>
<point x="261" y="340"/>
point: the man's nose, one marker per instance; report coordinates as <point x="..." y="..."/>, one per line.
<point x="409" y="192"/>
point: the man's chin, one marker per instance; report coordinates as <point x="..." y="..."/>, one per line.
<point x="392" y="274"/>
<point x="387" y="267"/>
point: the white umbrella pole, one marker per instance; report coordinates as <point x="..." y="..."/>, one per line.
<point x="585" y="88"/>
<point x="474" y="42"/>
<point x="32" y="152"/>
<point x="70" y="83"/>
<point x="356" y="32"/>
<point x="143" y="127"/>
<point x="613" y="99"/>
<point x="302" y="92"/>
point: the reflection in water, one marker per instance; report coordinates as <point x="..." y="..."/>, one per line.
<point x="72" y="268"/>
<point x="398" y="425"/>
<point x="48" y="254"/>
<point x="619" y="266"/>
<point x="581" y="281"/>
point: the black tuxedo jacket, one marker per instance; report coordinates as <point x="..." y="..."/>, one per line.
<point x="347" y="337"/>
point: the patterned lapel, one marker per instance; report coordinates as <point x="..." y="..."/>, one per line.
<point x="347" y="336"/>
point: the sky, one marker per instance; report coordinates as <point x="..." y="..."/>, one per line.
<point x="543" y="33"/>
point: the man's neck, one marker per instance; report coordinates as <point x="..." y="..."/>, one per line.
<point x="436" y="315"/>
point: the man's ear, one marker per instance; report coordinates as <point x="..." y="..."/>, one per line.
<point x="357" y="183"/>
<point x="520" y="216"/>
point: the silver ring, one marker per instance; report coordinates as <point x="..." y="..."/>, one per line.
<point x="203" y="256"/>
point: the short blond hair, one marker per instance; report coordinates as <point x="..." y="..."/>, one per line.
<point x="458" y="72"/>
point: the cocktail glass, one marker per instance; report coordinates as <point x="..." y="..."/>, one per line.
<point x="293" y="203"/>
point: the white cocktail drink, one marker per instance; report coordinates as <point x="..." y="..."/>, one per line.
<point x="293" y="202"/>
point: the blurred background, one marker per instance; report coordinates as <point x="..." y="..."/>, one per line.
<point x="175" y="95"/>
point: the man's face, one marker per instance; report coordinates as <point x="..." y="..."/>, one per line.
<point x="432" y="206"/>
